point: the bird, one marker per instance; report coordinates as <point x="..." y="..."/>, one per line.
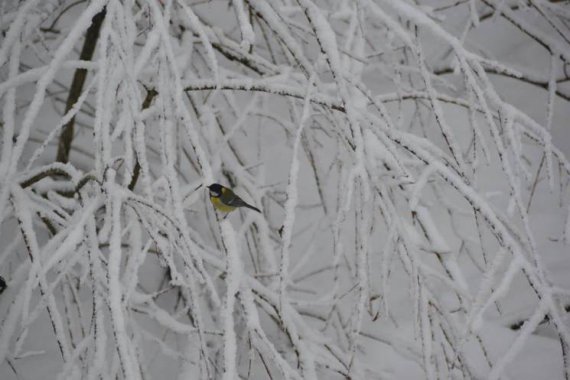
<point x="225" y="200"/>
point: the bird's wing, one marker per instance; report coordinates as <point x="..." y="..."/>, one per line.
<point x="238" y="202"/>
<point x="235" y="201"/>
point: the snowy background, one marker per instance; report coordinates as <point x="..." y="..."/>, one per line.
<point x="409" y="159"/>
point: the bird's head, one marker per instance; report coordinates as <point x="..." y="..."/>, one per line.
<point x="215" y="189"/>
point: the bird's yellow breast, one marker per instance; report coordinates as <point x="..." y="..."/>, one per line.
<point x="220" y="206"/>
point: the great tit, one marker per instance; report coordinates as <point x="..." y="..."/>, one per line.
<point x="226" y="200"/>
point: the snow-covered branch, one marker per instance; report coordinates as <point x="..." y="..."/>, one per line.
<point x="409" y="161"/>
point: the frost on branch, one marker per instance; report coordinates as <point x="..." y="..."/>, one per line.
<point x="409" y="159"/>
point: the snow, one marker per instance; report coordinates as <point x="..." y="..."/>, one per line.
<point x="247" y="35"/>
<point x="199" y="29"/>
<point x="409" y="160"/>
<point x="233" y="273"/>
<point x="65" y="47"/>
<point x="292" y="199"/>
<point x="129" y="369"/>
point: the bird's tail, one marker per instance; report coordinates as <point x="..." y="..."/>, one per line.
<point x="253" y="208"/>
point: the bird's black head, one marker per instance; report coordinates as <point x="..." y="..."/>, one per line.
<point x="215" y="189"/>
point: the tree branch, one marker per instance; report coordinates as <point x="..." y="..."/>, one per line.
<point x="91" y="38"/>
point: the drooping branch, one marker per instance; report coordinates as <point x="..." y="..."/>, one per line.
<point x="91" y="37"/>
<point x="150" y="94"/>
